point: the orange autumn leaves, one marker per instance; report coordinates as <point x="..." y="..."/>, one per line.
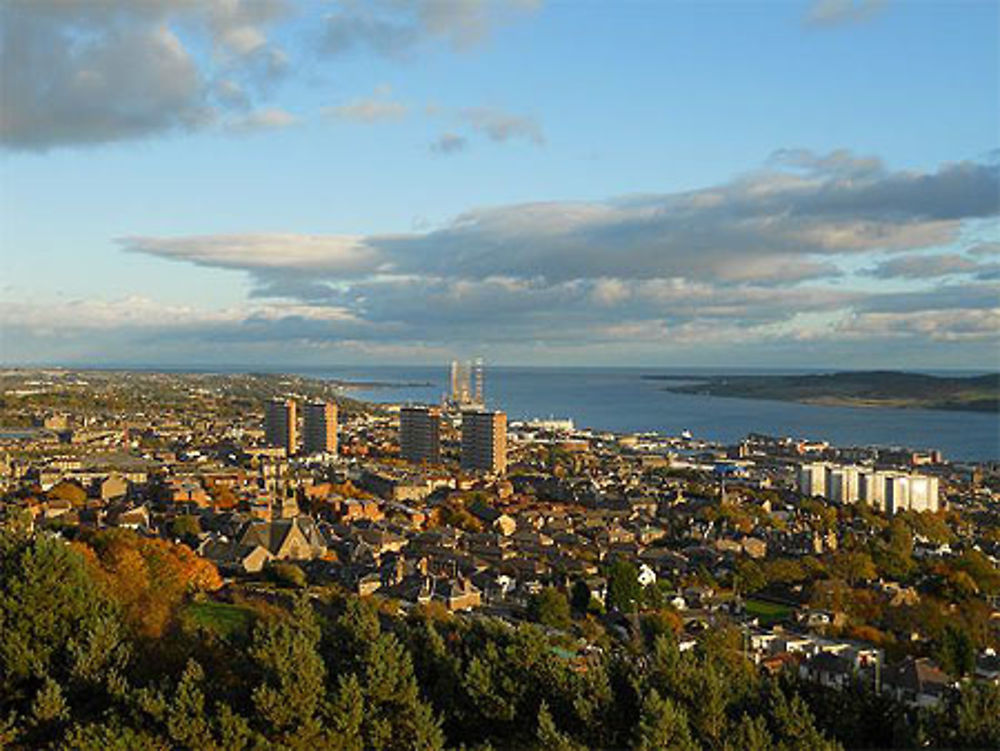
<point x="149" y="578"/>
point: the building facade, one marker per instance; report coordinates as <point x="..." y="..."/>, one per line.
<point x="420" y="434"/>
<point x="886" y="491"/>
<point x="484" y="441"/>
<point x="319" y="428"/>
<point x="280" y="428"/>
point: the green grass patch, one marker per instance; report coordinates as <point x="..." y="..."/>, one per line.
<point x="221" y="617"/>
<point x="768" y="612"/>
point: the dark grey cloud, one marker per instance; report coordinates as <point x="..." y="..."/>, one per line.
<point x="945" y="297"/>
<point x="985" y="249"/>
<point x="926" y="267"/>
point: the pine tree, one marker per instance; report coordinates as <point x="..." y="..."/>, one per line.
<point x="548" y="734"/>
<point x="750" y="735"/>
<point x="663" y="726"/>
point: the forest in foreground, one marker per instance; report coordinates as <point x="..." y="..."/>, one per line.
<point x="99" y="650"/>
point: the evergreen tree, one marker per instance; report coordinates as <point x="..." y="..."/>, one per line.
<point x="550" y="608"/>
<point x="549" y="736"/>
<point x="292" y="674"/>
<point x="624" y="591"/>
<point x="750" y="735"/>
<point x="663" y="726"/>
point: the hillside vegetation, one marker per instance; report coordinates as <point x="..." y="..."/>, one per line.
<point x="877" y="388"/>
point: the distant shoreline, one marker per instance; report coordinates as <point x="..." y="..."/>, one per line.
<point x="864" y="389"/>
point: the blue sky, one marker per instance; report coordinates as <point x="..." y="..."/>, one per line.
<point x="259" y="182"/>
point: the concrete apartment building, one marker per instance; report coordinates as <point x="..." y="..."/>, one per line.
<point x="484" y="441"/>
<point x="280" y="428"/>
<point x="886" y="491"/>
<point x="420" y="434"/>
<point x="319" y="428"/>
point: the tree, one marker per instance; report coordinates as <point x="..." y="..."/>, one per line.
<point x="750" y="735"/>
<point x="67" y="490"/>
<point x="624" y="591"/>
<point x="346" y="714"/>
<point x="580" y="596"/>
<point x="47" y="601"/>
<point x="111" y="735"/>
<point x="149" y="578"/>
<point x="288" y="574"/>
<point x="185" y="527"/>
<point x="854" y="566"/>
<point x="794" y="725"/>
<point x="550" y="608"/>
<point x="548" y="735"/>
<point x="663" y="726"/>
<point x="291" y="672"/>
<point x="749" y="577"/>
<point x="957" y="651"/>
<point x="975" y="717"/>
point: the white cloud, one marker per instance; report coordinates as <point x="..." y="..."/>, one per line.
<point x="95" y="71"/>
<point x="977" y="325"/>
<point x="368" y="110"/>
<point x="269" y="118"/>
<point x="339" y="254"/>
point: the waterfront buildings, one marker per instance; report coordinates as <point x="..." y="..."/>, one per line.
<point x="280" y="428"/>
<point x="319" y="429"/>
<point x="420" y="434"/>
<point x="887" y="491"/>
<point x="484" y="441"/>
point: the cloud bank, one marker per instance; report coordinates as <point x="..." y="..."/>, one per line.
<point x="800" y="251"/>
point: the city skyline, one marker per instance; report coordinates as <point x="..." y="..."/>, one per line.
<point x="788" y="184"/>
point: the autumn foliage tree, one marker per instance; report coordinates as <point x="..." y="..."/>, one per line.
<point x="148" y="577"/>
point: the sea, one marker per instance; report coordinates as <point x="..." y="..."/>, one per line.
<point x="621" y="400"/>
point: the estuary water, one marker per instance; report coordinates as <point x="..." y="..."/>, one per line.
<point x="621" y="400"/>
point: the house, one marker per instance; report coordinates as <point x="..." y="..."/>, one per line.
<point x="827" y="669"/>
<point x="457" y="594"/>
<point x="294" y="539"/>
<point x="231" y="557"/>
<point x="492" y="519"/>
<point x="129" y="518"/>
<point x="111" y="488"/>
<point x="917" y="682"/>
<point x="988" y="666"/>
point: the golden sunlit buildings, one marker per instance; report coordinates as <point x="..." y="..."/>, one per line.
<point x="319" y="428"/>
<point x="279" y="424"/>
<point x="484" y="441"/>
<point x="420" y="434"/>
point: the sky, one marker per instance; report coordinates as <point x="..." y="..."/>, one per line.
<point x="656" y="183"/>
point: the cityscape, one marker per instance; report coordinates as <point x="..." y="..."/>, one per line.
<point x="499" y="375"/>
<point x="848" y="576"/>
